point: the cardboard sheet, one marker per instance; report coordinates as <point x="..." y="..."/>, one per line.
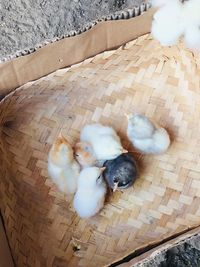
<point x="104" y="36"/>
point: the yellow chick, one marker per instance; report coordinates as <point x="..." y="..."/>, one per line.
<point x="145" y="136"/>
<point x="62" y="167"/>
<point x="105" y="142"/>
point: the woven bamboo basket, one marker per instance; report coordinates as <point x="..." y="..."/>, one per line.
<point x="142" y="76"/>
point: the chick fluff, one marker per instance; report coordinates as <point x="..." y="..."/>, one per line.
<point x="176" y="18"/>
<point x="90" y="196"/>
<point x="62" y="167"/>
<point x="145" y="136"/>
<point x="121" y="172"/>
<point x="104" y="140"/>
<point x="84" y="154"/>
<point x="158" y="3"/>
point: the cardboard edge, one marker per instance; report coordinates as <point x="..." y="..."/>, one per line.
<point x="104" y="36"/>
<point x="164" y="246"/>
<point x="118" y="15"/>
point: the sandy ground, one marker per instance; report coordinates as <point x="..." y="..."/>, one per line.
<point x="25" y="23"/>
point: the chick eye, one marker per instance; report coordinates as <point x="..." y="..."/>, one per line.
<point x="76" y="155"/>
<point x="99" y="177"/>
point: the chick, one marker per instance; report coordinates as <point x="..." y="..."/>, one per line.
<point x="177" y="18"/>
<point x="145" y="136"/>
<point x="191" y="14"/>
<point x="192" y="38"/>
<point x="84" y="154"/>
<point x="90" y="196"/>
<point x="62" y="167"/>
<point x="104" y="140"/>
<point x="167" y="31"/>
<point x="121" y="172"/>
<point x="158" y="3"/>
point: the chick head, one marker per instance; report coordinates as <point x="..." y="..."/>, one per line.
<point x="121" y="172"/>
<point x="61" y="152"/>
<point x="140" y="126"/>
<point x="90" y="177"/>
<point x="84" y="154"/>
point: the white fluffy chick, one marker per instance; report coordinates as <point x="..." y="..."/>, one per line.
<point x="90" y="196"/>
<point x="191" y="16"/>
<point x="62" y="167"/>
<point x="158" y="3"/>
<point x="177" y="18"/>
<point x="167" y="24"/>
<point x="192" y="38"/>
<point x="145" y="136"/>
<point x="104" y="140"/>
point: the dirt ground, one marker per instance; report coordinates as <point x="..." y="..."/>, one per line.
<point x="186" y="254"/>
<point x="25" y="23"/>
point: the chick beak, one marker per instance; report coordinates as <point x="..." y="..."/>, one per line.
<point x="124" y="151"/>
<point x="115" y="186"/>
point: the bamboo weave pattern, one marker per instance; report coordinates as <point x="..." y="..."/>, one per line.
<point x="162" y="83"/>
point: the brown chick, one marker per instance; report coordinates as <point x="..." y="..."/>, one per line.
<point x="62" y="167"/>
<point x="84" y="154"/>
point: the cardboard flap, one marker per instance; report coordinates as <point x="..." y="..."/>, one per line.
<point x="104" y="36"/>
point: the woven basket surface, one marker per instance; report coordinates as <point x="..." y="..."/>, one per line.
<point x="42" y="227"/>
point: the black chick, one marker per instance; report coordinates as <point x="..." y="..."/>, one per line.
<point x="120" y="172"/>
